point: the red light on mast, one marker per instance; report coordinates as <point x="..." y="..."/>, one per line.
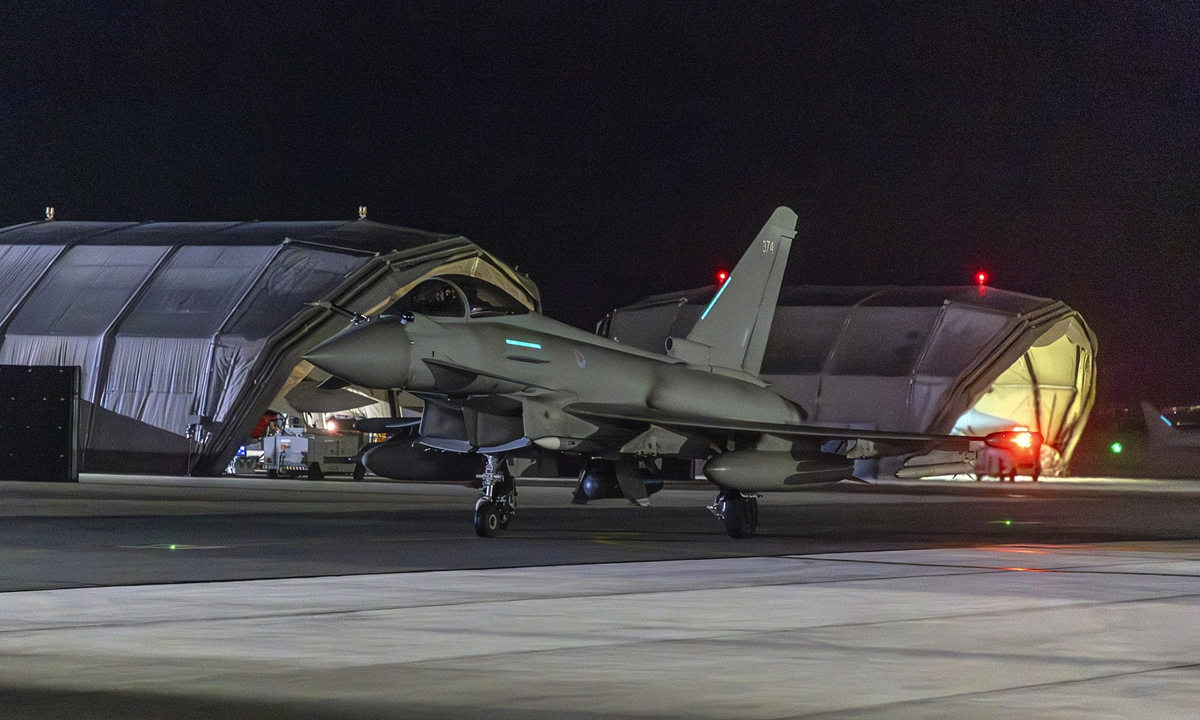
<point x="722" y="276"/>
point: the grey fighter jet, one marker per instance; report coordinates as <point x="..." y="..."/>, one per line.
<point x="498" y="379"/>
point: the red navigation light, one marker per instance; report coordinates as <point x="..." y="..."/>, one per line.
<point x="722" y="276"/>
<point x="981" y="277"/>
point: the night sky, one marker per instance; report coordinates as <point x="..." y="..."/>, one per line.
<point x="615" y="150"/>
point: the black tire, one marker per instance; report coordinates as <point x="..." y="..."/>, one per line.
<point x="360" y="472"/>
<point x="740" y="514"/>
<point x="315" y="473"/>
<point x="272" y="473"/>
<point x="487" y="520"/>
<point x="506" y="515"/>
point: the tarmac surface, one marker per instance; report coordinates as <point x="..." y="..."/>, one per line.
<point x="240" y="597"/>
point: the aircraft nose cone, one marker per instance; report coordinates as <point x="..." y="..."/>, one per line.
<point x="374" y="354"/>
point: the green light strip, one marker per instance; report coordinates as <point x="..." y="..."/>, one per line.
<point x="518" y="343"/>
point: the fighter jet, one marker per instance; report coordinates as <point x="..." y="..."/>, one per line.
<point x="497" y="379"/>
<point x="1172" y="446"/>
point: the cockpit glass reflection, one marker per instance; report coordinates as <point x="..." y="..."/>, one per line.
<point x="454" y="295"/>
<point x="435" y="298"/>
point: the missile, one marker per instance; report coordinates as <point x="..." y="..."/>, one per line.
<point x="751" y="471"/>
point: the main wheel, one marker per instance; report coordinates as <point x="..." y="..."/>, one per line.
<point x="315" y="473"/>
<point x="360" y="471"/>
<point x="487" y="520"/>
<point x="740" y="514"/>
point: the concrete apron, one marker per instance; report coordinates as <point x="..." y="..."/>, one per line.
<point x="989" y="632"/>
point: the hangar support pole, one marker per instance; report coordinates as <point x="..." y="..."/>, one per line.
<point x="1037" y="393"/>
<point x="816" y="414"/>
<point x="20" y="303"/>
<point x="83" y="424"/>
<point x="205" y="405"/>
<point x="912" y="375"/>
<point x="972" y="383"/>
<point x="106" y="347"/>
<point x="264" y="367"/>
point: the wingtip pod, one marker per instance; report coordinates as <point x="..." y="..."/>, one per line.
<point x="735" y="324"/>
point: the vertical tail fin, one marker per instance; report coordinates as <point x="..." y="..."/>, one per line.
<point x="732" y="332"/>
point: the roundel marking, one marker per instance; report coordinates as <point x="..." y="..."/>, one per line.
<point x="580" y="360"/>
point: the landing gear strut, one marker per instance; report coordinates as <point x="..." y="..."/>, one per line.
<point x="739" y="513"/>
<point x="494" y="511"/>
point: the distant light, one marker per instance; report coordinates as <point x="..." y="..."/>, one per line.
<point x="1116" y="448"/>
<point x="520" y="343"/>
<point x="331" y="425"/>
<point x="1008" y="522"/>
<point x="172" y="547"/>
<point x="722" y="276"/>
<point x="981" y="278"/>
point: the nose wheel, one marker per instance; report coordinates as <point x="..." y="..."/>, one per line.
<point x="739" y="513"/>
<point x="491" y="518"/>
<point x="494" y="511"/>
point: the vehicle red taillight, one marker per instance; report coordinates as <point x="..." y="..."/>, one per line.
<point x="1020" y="440"/>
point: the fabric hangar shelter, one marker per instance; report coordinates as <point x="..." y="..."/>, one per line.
<point x="186" y="333"/>
<point x="959" y="360"/>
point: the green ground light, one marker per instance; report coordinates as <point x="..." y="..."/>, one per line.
<point x="1116" y="448"/>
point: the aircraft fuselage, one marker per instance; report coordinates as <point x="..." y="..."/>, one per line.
<point x="546" y="365"/>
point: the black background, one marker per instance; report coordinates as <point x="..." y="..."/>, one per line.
<point x="614" y="150"/>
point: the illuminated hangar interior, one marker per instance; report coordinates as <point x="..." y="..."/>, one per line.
<point x="197" y="329"/>
<point x="961" y="360"/>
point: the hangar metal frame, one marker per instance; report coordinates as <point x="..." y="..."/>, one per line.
<point x="918" y="359"/>
<point x="222" y="350"/>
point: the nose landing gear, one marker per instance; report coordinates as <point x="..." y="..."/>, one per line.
<point x="739" y="513"/>
<point x="494" y="511"/>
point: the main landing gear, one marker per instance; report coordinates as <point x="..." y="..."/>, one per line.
<point x="739" y="512"/>
<point x="494" y="511"/>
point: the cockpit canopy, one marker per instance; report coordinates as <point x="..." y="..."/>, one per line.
<point x="457" y="296"/>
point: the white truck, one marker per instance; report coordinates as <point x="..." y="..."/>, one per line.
<point x="311" y="453"/>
